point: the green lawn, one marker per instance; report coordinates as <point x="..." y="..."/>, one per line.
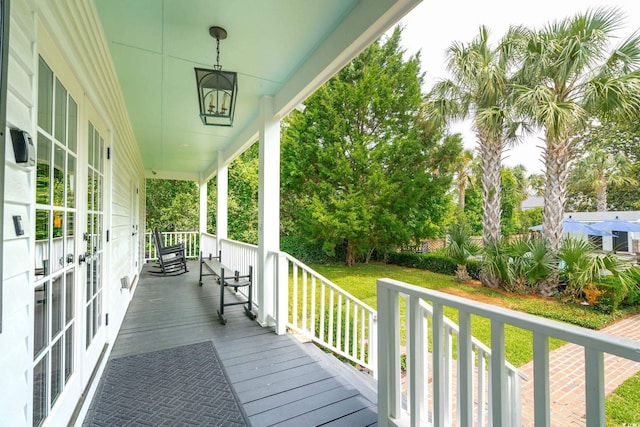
<point x="623" y="405"/>
<point x="360" y="281"/>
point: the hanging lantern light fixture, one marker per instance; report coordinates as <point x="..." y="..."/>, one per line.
<point x="217" y="89"/>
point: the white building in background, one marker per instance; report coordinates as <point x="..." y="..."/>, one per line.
<point x="622" y="241"/>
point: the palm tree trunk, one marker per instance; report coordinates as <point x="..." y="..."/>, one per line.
<point x="557" y="156"/>
<point x="491" y="154"/>
<point x="461" y="191"/>
<point x="601" y="199"/>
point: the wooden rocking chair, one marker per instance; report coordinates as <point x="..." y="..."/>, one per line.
<point x="171" y="259"/>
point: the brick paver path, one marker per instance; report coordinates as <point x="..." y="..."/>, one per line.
<point x="566" y="371"/>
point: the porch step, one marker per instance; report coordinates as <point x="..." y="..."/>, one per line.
<point x="361" y="381"/>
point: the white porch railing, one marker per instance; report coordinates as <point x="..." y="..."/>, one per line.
<point x="317" y="308"/>
<point x="237" y="256"/>
<point x="329" y="315"/>
<point x="190" y="239"/>
<point x="502" y="403"/>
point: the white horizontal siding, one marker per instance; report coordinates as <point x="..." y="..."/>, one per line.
<point x="75" y="30"/>
<point x="16" y="338"/>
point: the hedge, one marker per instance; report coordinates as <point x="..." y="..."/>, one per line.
<point x="432" y="262"/>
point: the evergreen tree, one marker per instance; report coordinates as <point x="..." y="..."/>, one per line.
<point x="360" y="168"/>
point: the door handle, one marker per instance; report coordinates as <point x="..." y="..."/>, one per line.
<point x="82" y="258"/>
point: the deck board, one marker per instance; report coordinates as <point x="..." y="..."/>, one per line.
<point x="279" y="380"/>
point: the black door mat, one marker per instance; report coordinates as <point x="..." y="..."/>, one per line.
<point x="184" y="386"/>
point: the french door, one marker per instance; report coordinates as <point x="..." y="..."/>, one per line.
<point x="93" y="237"/>
<point x="55" y="293"/>
<point x="68" y="315"/>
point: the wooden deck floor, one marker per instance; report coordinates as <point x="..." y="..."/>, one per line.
<point x="279" y="380"/>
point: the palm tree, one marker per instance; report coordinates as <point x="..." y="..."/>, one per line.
<point x="568" y="76"/>
<point x="521" y="183"/>
<point x="464" y="178"/>
<point x="536" y="184"/>
<point x="460" y="248"/>
<point x="598" y="171"/>
<point x="565" y="77"/>
<point x="479" y="90"/>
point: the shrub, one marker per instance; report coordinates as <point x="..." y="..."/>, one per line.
<point x="300" y="249"/>
<point x="633" y="295"/>
<point x="432" y="262"/>
<point x="474" y="267"/>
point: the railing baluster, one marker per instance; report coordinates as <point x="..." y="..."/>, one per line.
<point x="541" y="380"/>
<point x="339" y="323"/>
<point x="304" y="300"/>
<point x="448" y="374"/>
<point x="594" y="384"/>
<point x="331" y="316"/>
<point x="372" y="349"/>
<point x="438" y="380"/>
<point x="498" y="375"/>
<point x="312" y="327"/>
<point x="416" y="381"/>
<point x="295" y="295"/>
<point x="354" y="332"/>
<point x="480" y="389"/>
<point x="465" y="371"/>
<point x="322" y="309"/>
<point x="347" y="322"/>
<point x="362" y="334"/>
<point x="408" y="342"/>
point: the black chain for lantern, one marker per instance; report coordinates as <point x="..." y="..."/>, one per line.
<point x="217" y="66"/>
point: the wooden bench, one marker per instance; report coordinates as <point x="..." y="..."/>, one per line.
<point x="217" y="269"/>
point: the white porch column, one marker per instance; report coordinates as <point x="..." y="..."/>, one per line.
<point x="222" y="204"/>
<point x="203" y="207"/>
<point x="268" y="210"/>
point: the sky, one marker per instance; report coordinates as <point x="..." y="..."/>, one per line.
<point x="433" y="25"/>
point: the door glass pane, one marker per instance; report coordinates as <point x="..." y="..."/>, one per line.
<point x="45" y="96"/>
<point x="90" y="190"/>
<point x="96" y="231"/>
<point x="61" y="112"/>
<point x="43" y="188"/>
<point x="72" y="136"/>
<point x="90" y="232"/>
<point x="98" y="192"/>
<point x="89" y="282"/>
<point x="57" y="290"/>
<point x="40" y="330"/>
<point x="91" y="135"/>
<point x="40" y="375"/>
<point x="88" y="330"/>
<point x="69" y="293"/>
<point x="70" y="248"/>
<point x="57" y="244"/>
<point x="94" y="274"/>
<point x="98" y="272"/>
<point x="42" y="243"/>
<point x="100" y="150"/>
<point x="58" y="176"/>
<point x="56" y="369"/>
<point x="71" y="181"/>
<point x="68" y="353"/>
<point x="96" y="314"/>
